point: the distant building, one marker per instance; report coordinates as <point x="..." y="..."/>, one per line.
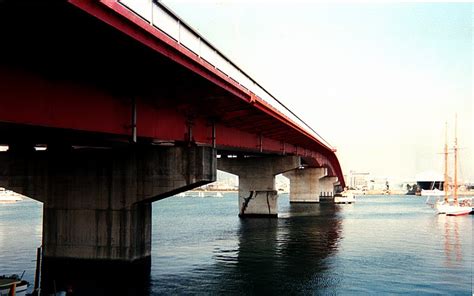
<point x="366" y="182"/>
<point x="378" y="183"/>
<point x="358" y="180"/>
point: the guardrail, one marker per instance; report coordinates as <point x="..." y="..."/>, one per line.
<point x="164" y="19"/>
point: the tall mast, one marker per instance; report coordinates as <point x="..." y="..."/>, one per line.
<point x="455" y="193"/>
<point x="446" y="181"/>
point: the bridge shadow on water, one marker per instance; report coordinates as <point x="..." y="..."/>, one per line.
<point x="95" y="279"/>
<point x="290" y="255"/>
<point x="286" y="256"/>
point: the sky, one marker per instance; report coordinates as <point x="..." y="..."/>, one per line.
<point x="377" y="80"/>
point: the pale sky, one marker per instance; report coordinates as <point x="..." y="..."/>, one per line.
<point x="378" y="81"/>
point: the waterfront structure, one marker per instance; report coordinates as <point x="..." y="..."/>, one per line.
<point x="365" y="183"/>
<point x="359" y="180"/>
<point x="430" y="183"/>
<point x="133" y="106"/>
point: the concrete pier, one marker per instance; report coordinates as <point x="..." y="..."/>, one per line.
<point x="327" y="186"/>
<point x="97" y="202"/>
<point x="257" y="194"/>
<point x="305" y="184"/>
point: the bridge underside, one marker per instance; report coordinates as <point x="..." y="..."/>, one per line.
<point x="86" y="75"/>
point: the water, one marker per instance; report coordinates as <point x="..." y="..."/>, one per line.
<point x="380" y="245"/>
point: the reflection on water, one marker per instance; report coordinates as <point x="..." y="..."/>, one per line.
<point x="379" y="245"/>
<point x="293" y="249"/>
<point x="452" y="242"/>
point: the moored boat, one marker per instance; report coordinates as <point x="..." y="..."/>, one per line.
<point x="12" y="285"/>
<point x="432" y="192"/>
<point x="204" y="193"/>
<point x="445" y="206"/>
<point x="345" y="197"/>
<point x="462" y="208"/>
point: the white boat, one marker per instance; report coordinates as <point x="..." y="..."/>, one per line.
<point x="200" y="194"/>
<point x="357" y="192"/>
<point x="12" y="285"/>
<point x="209" y="194"/>
<point x="451" y="209"/>
<point x="455" y="207"/>
<point x="8" y="196"/>
<point x="345" y="197"/>
<point x="432" y="192"/>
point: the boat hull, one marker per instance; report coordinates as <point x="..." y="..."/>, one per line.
<point x="345" y="198"/>
<point x="434" y="192"/>
<point x="452" y="210"/>
<point x="20" y="289"/>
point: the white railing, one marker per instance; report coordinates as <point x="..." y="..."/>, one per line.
<point x="162" y="18"/>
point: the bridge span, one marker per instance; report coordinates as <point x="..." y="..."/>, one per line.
<point x="134" y="106"/>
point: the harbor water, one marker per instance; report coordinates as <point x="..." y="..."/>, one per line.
<point x="379" y="245"/>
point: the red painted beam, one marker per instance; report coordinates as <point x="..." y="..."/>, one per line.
<point x="165" y="45"/>
<point x="121" y="18"/>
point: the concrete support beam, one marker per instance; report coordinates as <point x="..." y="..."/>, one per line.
<point x="130" y="175"/>
<point x="257" y="194"/>
<point x="305" y="184"/>
<point x="97" y="202"/>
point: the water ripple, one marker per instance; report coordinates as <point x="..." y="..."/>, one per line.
<point x="380" y="245"/>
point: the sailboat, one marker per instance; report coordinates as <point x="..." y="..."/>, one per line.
<point x="444" y="206"/>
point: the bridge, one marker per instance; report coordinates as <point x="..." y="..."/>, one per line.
<point x="107" y="106"/>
